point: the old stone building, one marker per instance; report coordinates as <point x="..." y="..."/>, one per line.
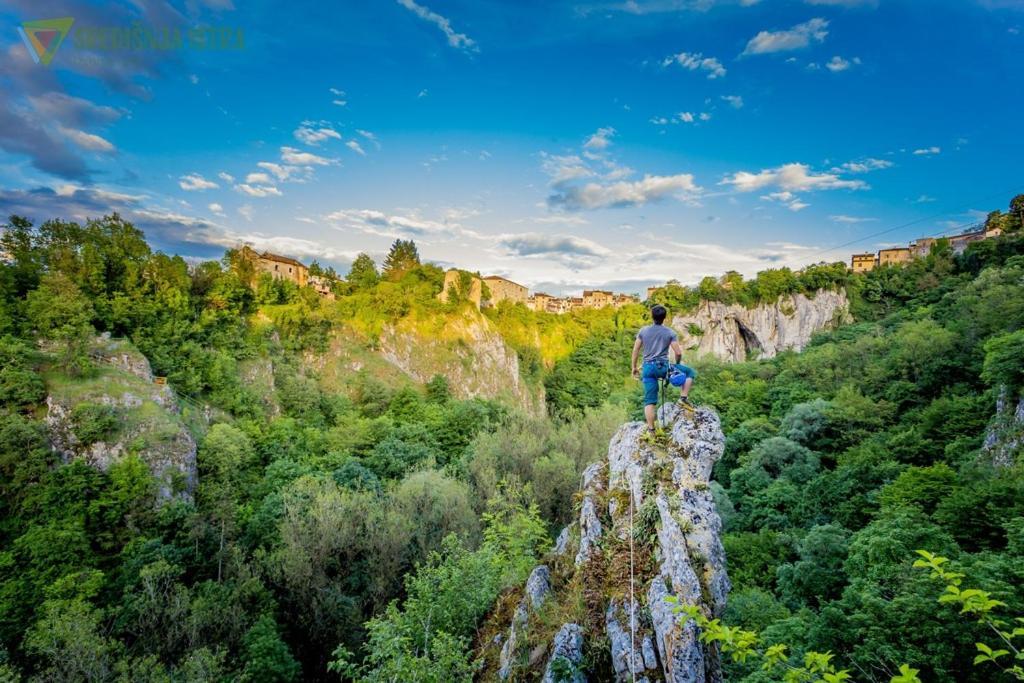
<point x="455" y="281"/>
<point x="322" y="286"/>
<point x="922" y="246"/>
<point x="597" y="298"/>
<point x="893" y="256"/>
<point x="540" y="301"/>
<point x="277" y="266"/>
<point x="503" y="289"/>
<point x="862" y="263"/>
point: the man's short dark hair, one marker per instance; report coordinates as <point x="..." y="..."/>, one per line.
<point x="658" y="314"/>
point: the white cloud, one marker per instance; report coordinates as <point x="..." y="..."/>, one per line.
<point x="792" y="176"/>
<point x="193" y="182"/>
<point x="281" y="172"/>
<point x="375" y="222"/>
<point x="310" y="134"/>
<point x="369" y="136"/>
<point x="787" y="199"/>
<point x="863" y="166"/>
<point x="423" y="93"/>
<point x="565" y="168"/>
<point x="87" y="141"/>
<point x="705" y="116"/>
<point x="735" y="101"/>
<point x="659" y="121"/>
<point x="924" y="199"/>
<point x="258" y="190"/>
<point x="625" y="193"/>
<point x="561" y="218"/>
<point x="570" y="250"/>
<point x="456" y="40"/>
<point x="216" y="208"/>
<point x="686" y="117"/>
<point x="837" y="64"/>
<point x="295" y="157"/>
<point x="193" y="79"/>
<point x="246" y="212"/>
<point x="694" y="61"/>
<point x="599" y="140"/>
<point x="258" y="179"/>
<point x="354" y="146"/>
<point x="226" y="177"/>
<point x="843" y="218"/>
<point x="926" y="151"/>
<point x="797" y="37"/>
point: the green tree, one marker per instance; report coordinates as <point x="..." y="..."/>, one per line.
<point x="402" y="258"/>
<point x="363" y="273"/>
<point x="61" y="313"/>
<point x="817" y="576"/>
<point x="1004" y="361"/>
<point x="267" y="657"/>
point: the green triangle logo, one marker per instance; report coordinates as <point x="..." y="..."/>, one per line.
<point x="42" y="37"/>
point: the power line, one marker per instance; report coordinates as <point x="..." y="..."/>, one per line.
<point x="913" y="222"/>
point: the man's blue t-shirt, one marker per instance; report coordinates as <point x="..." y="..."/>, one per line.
<point x="656" y="340"/>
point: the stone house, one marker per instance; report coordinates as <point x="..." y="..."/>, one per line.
<point x="503" y="289"/>
<point x="322" y="286"/>
<point x="862" y="263"/>
<point x="540" y="301"/>
<point x="597" y="298"/>
<point x="279" y="267"/>
<point x="893" y="256"/>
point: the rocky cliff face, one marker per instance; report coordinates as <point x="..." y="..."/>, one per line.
<point x="1004" y="438"/>
<point x="647" y="530"/>
<point x="469" y="353"/>
<point x="734" y="332"/>
<point x="148" y="420"/>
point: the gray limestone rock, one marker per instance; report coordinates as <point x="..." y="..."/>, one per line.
<point x="566" y="656"/>
<point x="731" y="332"/>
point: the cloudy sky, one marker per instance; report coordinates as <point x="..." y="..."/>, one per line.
<point x="562" y="144"/>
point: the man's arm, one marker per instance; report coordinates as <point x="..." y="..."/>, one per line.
<point x="636" y="355"/>
<point x="678" y="350"/>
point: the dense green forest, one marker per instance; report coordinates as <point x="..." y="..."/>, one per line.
<point x="364" y="528"/>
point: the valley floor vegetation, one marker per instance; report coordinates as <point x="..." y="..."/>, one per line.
<point x="364" y="525"/>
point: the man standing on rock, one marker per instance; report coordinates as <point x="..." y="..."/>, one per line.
<point x="656" y="341"/>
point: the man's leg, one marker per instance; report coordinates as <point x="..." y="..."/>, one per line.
<point x="684" y="392"/>
<point x="650" y="396"/>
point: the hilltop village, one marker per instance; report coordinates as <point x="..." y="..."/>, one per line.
<point x="861" y="263"/>
<point x="481" y="291"/>
<point x="490" y="290"/>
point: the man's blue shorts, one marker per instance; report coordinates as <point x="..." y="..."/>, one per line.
<point x="657" y="370"/>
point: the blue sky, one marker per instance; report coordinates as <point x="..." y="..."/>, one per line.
<point x="562" y="144"/>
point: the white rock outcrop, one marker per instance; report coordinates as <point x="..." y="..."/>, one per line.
<point x="566" y="656"/>
<point x="656" y="495"/>
<point x="1004" y="438"/>
<point x="470" y="353"/>
<point x="537" y="588"/>
<point x="734" y="332"/>
<point x="149" y="421"/>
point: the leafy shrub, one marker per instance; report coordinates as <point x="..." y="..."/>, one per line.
<point x="93" y="422"/>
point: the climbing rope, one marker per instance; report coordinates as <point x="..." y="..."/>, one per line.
<point x="632" y="600"/>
